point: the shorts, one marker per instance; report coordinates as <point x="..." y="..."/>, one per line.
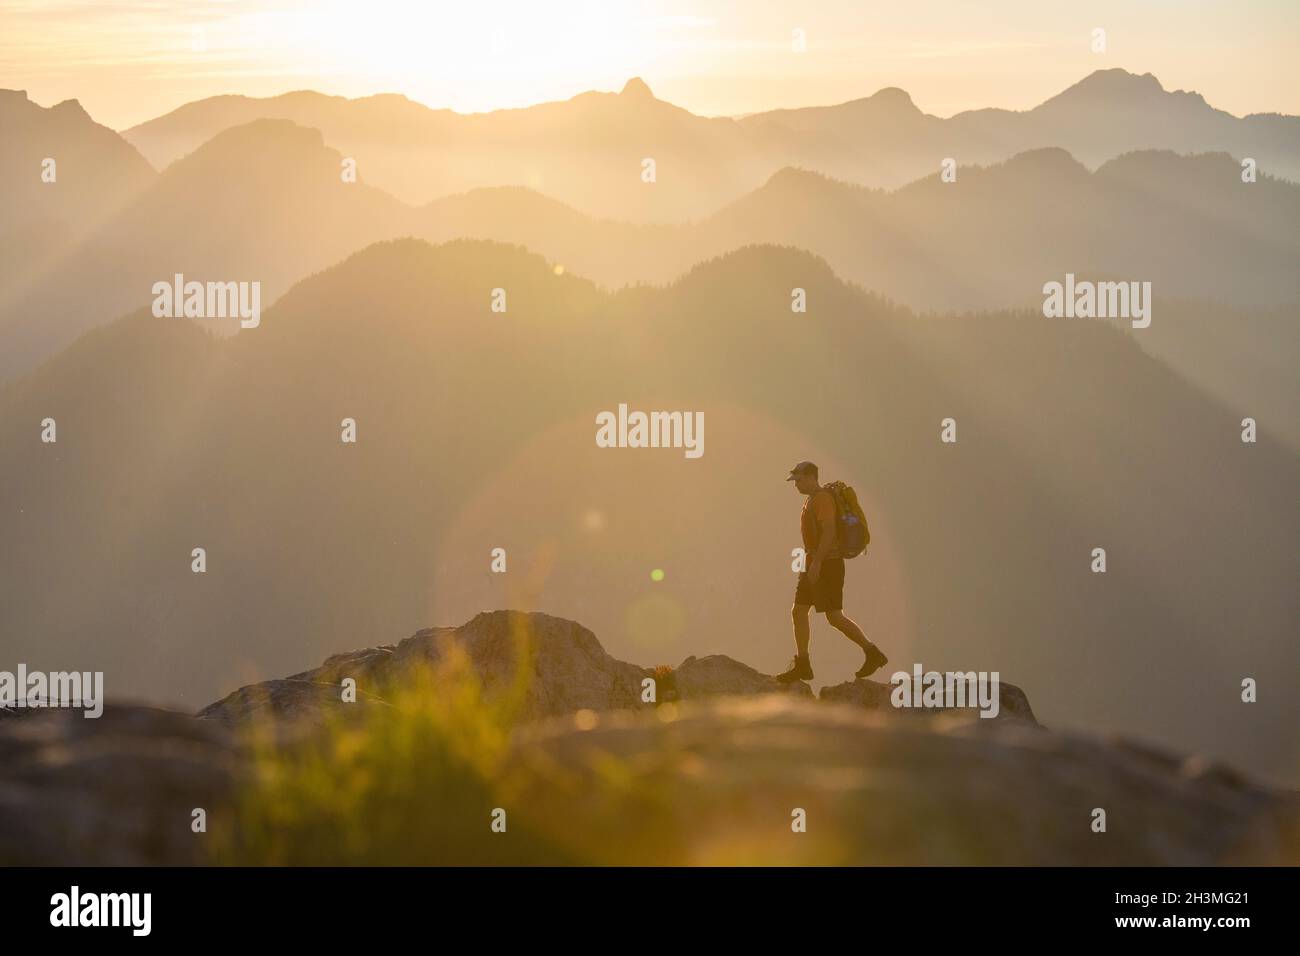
<point x="828" y="593"/>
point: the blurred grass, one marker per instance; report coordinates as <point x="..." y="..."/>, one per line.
<point x="412" y="782"/>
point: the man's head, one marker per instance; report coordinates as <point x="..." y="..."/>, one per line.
<point x="804" y="476"/>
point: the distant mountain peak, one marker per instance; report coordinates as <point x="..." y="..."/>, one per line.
<point x="893" y="97"/>
<point x="1051" y="160"/>
<point x="262" y="143"/>
<point x="1118" y="78"/>
<point x="73" y="107"/>
<point x="636" y="88"/>
<point x="1114" y="82"/>
<point x="70" y="112"/>
<point x="795" y="176"/>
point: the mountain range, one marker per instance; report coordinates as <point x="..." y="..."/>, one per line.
<point x="587" y="151"/>
<point x="265" y="202"/>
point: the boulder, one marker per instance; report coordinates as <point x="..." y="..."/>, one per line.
<point x="300" y="700"/>
<point x="718" y="675"/>
<point x="571" y="671"/>
<point x="873" y="695"/>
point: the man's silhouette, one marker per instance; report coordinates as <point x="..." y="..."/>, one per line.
<point x="822" y="584"/>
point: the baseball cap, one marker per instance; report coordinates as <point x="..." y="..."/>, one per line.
<point x="803" y="468"/>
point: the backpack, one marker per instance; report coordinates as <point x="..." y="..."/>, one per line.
<point x="851" y="532"/>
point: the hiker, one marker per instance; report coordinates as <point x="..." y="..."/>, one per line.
<point x="821" y="585"/>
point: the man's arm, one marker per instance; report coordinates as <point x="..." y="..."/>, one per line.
<point x="825" y="513"/>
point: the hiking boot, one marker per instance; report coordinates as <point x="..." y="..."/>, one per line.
<point x="875" y="660"/>
<point x="800" y="669"/>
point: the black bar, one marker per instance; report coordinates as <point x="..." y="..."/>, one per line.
<point x="659" y="907"/>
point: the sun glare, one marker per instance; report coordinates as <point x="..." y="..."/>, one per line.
<point x="476" y="57"/>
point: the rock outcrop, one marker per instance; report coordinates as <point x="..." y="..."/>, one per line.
<point x="571" y="671"/>
<point x="873" y="695"/>
<point x="718" y="675"/>
<point x="303" y="699"/>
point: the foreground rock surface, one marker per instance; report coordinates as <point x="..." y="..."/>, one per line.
<point x="716" y="782"/>
<point x="119" y="790"/>
<point x="711" y="774"/>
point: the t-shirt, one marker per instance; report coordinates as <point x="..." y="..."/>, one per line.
<point x="819" y="507"/>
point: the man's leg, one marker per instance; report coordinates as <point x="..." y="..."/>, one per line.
<point x="799" y="615"/>
<point x="874" y="657"/>
<point x="846" y="626"/>
<point x="800" y="669"/>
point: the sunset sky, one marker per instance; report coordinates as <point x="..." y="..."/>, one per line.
<point x="131" y="60"/>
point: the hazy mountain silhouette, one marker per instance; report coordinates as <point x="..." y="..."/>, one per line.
<point x="1246" y="358"/>
<point x="587" y="151"/>
<point x="262" y="202"/>
<point x="991" y="240"/>
<point x="266" y="201"/>
<point x="476" y="430"/>
<point x="272" y="206"/>
<point x="95" y="172"/>
<point x="96" y="169"/>
<point x="1104" y="115"/>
